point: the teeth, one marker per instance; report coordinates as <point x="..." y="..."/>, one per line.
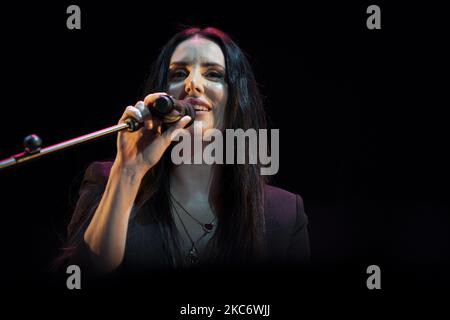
<point x="200" y="108"/>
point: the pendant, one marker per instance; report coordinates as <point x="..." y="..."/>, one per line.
<point x="208" y="227"/>
<point x="192" y="256"/>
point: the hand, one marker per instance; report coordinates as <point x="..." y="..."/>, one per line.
<point x="139" y="151"/>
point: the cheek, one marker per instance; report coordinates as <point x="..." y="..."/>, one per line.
<point x="175" y="89"/>
<point x="219" y="96"/>
<point x="218" y="93"/>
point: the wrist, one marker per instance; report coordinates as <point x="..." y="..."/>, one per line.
<point x="127" y="172"/>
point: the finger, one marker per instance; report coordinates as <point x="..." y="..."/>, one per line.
<point x="177" y="127"/>
<point x="150" y="99"/>
<point x="140" y="105"/>
<point x="150" y="122"/>
<point x="132" y="112"/>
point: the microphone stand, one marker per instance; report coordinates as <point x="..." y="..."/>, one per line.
<point x="32" y="143"/>
<point x="162" y="108"/>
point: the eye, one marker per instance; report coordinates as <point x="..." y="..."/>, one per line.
<point x="177" y="74"/>
<point x="215" y="75"/>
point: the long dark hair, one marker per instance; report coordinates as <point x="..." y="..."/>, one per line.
<point x="239" y="198"/>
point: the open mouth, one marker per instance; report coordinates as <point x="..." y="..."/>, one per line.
<point x="198" y="104"/>
<point x="199" y="108"/>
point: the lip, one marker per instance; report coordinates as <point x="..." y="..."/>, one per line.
<point x="199" y="102"/>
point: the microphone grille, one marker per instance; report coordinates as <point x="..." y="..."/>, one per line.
<point x="163" y="105"/>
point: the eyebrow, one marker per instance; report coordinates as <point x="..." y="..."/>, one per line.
<point x="206" y="64"/>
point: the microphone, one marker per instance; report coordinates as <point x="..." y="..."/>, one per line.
<point x="162" y="108"/>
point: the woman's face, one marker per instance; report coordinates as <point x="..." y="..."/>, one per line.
<point x="197" y="75"/>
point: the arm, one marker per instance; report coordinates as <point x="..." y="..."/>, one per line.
<point x="106" y="234"/>
<point x="137" y="152"/>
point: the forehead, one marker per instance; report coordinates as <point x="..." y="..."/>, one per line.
<point x="198" y="50"/>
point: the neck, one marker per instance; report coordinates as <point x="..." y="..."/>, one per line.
<point x="191" y="182"/>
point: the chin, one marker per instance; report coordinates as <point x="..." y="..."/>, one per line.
<point x="204" y="124"/>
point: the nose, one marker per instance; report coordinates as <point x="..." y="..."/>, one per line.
<point x="194" y="84"/>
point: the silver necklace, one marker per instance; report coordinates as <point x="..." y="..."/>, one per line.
<point x="207" y="227"/>
<point x="192" y="256"/>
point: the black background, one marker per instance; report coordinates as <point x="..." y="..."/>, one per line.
<point x="361" y="113"/>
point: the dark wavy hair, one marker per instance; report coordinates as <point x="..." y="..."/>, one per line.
<point x="238" y="199"/>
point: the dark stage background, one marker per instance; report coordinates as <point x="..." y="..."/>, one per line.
<point x="361" y="113"/>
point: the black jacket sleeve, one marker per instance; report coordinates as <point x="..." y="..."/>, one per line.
<point x="90" y="194"/>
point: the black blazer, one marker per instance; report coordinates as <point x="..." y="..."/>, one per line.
<point x="286" y="225"/>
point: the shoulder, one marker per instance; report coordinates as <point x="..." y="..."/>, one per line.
<point x="91" y="188"/>
<point x="283" y="208"/>
<point x="98" y="172"/>
<point x="95" y="179"/>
